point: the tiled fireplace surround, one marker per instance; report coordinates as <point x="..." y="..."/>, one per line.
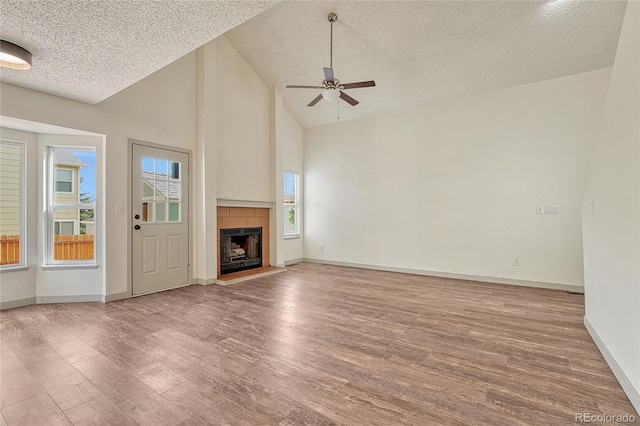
<point x="245" y="217"/>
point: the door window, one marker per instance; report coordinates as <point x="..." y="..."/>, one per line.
<point x="161" y="190"/>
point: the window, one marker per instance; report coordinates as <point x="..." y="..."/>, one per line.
<point x="63" y="228"/>
<point x="291" y="204"/>
<point x="64" y="180"/>
<point x="12" y="204"/>
<point x="71" y="205"/>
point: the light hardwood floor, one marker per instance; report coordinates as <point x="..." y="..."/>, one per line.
<point x="317" y="345"/>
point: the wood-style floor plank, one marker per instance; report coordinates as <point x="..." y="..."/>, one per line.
<point x="39" y="410"/>
<point x="99" y="411"/>
<point x="66" y="386"/>
<point x="317" y="345"/>
<point x="16" y="382"/>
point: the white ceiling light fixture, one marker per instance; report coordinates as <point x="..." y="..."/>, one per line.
<point x="14" y="57"/>
<point x="331" y="94"/>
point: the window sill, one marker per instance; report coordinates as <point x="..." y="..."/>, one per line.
<point x="15" y="268"/>
<point x="292" y="237"/>
<point x="69" y="266"/>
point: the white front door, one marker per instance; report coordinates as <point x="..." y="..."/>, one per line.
<point x="160" y="208"/>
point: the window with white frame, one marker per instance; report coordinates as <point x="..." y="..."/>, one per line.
<point x="63" y="179"/>
<point x="291" y="204"/>
<point x="13" y="241"/>
<point x="71" y="195"/>
<point x="62" y="227"/>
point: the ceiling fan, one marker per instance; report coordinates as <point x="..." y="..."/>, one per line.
<point x="331" y="87"/>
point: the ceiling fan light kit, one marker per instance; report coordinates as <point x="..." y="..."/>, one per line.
<point x="331" y="94"/>
<point x="331" y="87"/>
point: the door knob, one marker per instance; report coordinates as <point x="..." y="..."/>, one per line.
<point x="136" y="227"/>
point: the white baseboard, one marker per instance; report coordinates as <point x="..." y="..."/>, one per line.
<point x="293" y="261"/>
<point x="116" y="296"/>
<point x="204" y="281"/>
<point x="69" y="298"/>
<point x="632" y="393"/>
<point x="496" y="280"/>
<point x="9" y="304"/>
<point x="50" y="299"/>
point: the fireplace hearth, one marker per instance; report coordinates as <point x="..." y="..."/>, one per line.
<point x="240" y="249"/>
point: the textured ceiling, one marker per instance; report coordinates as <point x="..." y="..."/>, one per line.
<point x="88" y="50"/>
<point x="417" y="52"/>
<point x="420" y="52"/>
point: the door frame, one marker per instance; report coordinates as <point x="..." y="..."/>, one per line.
<point x="129" y="209"/>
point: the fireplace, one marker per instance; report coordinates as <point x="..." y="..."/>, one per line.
<point x="240" y="249"/>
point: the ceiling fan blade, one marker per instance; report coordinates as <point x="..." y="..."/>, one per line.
<point x="328" y="74"/>
<point x="292" y="86"/>
<point x="348" y="99"/>
<point x="369" y="83"/>
<point x="315" y="101"/>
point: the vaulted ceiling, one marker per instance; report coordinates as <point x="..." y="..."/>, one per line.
<point x="423" y="51"/>
<point x="417" y="52"/>
<point x="88" y="50"/>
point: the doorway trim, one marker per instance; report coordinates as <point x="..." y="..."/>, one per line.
<point x="129" y="211"/>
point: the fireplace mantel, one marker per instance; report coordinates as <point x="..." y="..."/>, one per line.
<point x="226" y="202"/>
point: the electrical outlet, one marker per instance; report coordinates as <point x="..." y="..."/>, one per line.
<point x="321" y="247"/>
<point x="119" y="209"/>
<point x="516" y="261"/>
<point x="593" y="207"/>
<point x="550" y="210"/>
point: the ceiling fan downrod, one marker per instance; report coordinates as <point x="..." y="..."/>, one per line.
<point x="332" y="18"/>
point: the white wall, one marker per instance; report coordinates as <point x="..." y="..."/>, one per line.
<point x="292" y="137"/>
<point x="19" y="286"/>
<point x="452" y="188"/>
<point x="256" y="139"/>
<point x="611" y="227"/>
<point x="206" y="154"/>
<point x="251" y="132"/>
<point x="232" y="143"/>
<point x="243" y="128"/>
<point x="159" y="109"/>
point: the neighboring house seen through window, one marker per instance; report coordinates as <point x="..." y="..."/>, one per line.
<point x="13" y="241"/>
<point x="162" y="193"/>
<point x="64" y="180"/>
<point x="64" y="228"/>
<point x="291" y="204"/>
<point x="71" y="205"/>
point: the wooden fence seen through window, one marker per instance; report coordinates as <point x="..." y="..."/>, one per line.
<point x="73" y="247"/>
<point x="9" y="249"/>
